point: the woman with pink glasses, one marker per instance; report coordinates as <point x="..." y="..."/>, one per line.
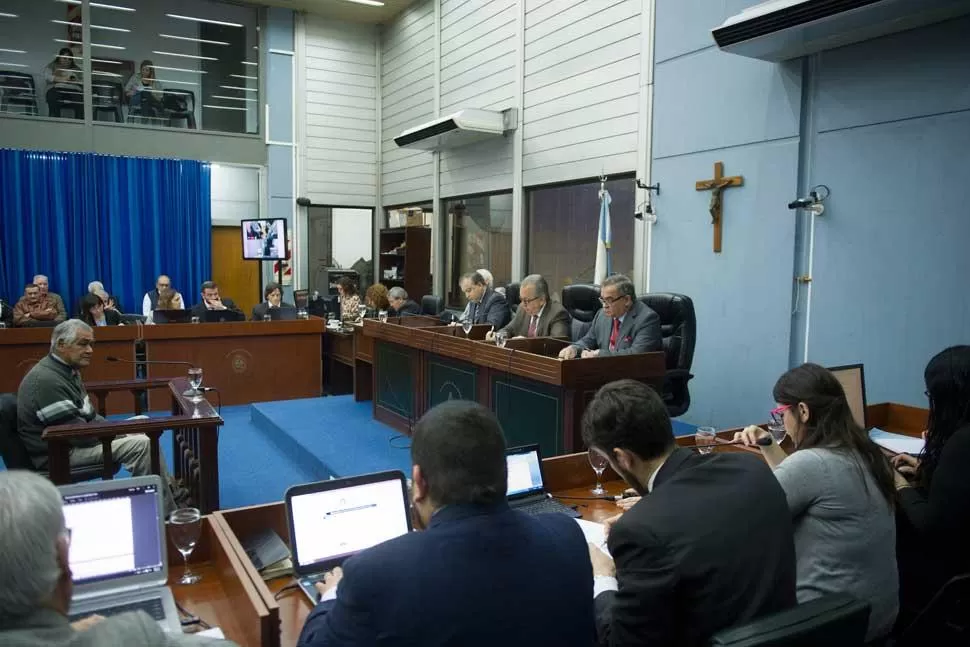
<point x="840" y="493"/>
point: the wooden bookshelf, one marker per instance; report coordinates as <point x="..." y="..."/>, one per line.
<point x="408" y="251"/>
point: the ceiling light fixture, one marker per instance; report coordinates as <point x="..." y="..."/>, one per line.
<point x="104" y="27"/>
<point x="219" y="96"/>
<point x="13" y="51"/>
<point x="74" y="42"/>
<point x="98" y="5"/>
<point x="4" y="14"/>
<point x="236" y="87"/>
<point x="243" y="76"/>
<point x="178" y="69"/>
<point x="250" y="63"/>
<point x="207" y="105"/>
<point x="5" y="64"/>
<point x="201" y="58"/>
<point x="195" y="40"/>
<point x="369" y="3"/>
<point x="100" y="73"/>
<point x="177" y="82"/>
<point x="211" y="22"/>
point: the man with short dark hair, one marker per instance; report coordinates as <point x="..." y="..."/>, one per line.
<point x="212" y="301"/>
<point x="35" y="309"/>
<point x="711" y="546"/>
<point x="485" y="305"/>
<point x="480" y="574"/>
<point x="622" y="326"/>
<point x="273" y="298"/>
<point x="401" y="305"/>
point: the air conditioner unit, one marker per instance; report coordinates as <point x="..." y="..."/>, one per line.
<point x="784" y="29"/>
<point x="459" y="129"/>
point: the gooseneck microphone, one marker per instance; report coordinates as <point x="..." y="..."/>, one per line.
<point x="175" y="362"/>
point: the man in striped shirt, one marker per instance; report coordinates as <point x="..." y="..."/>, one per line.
<point x="52" y="394"/>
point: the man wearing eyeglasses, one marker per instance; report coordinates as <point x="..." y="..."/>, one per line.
<point x="537" y="316"/>
<point x="150" y="303"/>
<point x="622" y="327"/>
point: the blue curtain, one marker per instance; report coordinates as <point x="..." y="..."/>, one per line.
<point x="80" y="217"/>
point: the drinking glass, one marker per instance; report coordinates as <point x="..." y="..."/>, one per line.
<point x="705" y="436"/>
<point x="362" y="309"/>
<point x="777" y="431"/>
<point x="382" y="316"/>
<point x="598" y="462"/>
<point x="266" y="317"/>
<point x="186" y="526"/>
<point x="196" y="320"/>
<point x="301" y="313"/>
<point x="466" y="325"/>
<point x="195" y="381"/>
<point x="500" y="338"/>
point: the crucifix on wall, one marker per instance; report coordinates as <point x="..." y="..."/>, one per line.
<point x="715" y="186"/>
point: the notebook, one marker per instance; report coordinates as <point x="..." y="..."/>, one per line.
<point x="118" y="550"/>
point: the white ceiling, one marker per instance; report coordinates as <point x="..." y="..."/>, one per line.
<point x="342" y="9"/>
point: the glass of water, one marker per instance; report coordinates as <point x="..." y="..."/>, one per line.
<point x="382" y="316"/>
<point x="705" y="436"/>
<point x="195" y="381"/>
<point x="267" y="317"/>
<point x="598" y="462"/>
<point x="196" y="320"/>
<point x="466" y="325"/>
<point x="301" y="313"/>
<point x="500" y="338"/>
<point x="185" y="527"/>
<point x="362" y="310"/>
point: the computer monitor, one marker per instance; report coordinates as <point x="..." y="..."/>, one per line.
<point x="217" y="316"/>
<point x="283" y="313"/>
<point x="172" y="316"/>
<point x="853" y="381"/>
<point x="524" y="471"/>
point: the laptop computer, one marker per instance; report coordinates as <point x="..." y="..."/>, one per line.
<point x="171" y="316"/>
<point x="526" y="487"/>
<point x="330" y="521"/>
<point x="118" y="549"/>
<point x="853" y="380"/>
<point x="283" y="313"/>
<point x="217" y="316"/>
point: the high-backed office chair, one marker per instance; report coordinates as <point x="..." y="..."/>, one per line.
<point x="512" y="296"/>
<point x="13" y="451"/>
<point x="180" y="106"/>
<point x="581" y="301"/>
<point x="432" y="305"/>
<point x="17" y="89"/>
<point x="108" y="97"/>
<point x="679" y="329"/>
<point x="945" y="620"/>
<point x="838" y="620"/>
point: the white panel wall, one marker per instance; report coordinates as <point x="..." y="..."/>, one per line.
<point x="234" y="193"/>
<point x="341" y="112"/>
<point x="407" y="89"/>
<point x="581" y="88"/>
<point x="478" y="71"/>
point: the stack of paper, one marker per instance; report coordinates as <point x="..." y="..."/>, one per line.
<point x="897" y="443"/>
<point x="595" y="534"/>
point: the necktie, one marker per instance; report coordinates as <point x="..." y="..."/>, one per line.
<point x="615" y="335"/>
<point x="474" y="312"/>
<point x="533" y="324"/>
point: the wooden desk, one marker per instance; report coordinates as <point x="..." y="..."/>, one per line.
<point x="537" y="397"/>
<point x="225" y="597"/>
<point x="21" y="348"/>
<point x="251" y="361"/>
<point x="349" y="357"/>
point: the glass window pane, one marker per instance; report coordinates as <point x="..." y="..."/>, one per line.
<point x="480" y="237"/>
<point x="563" y="225"/>
<point x="41" y="58"/>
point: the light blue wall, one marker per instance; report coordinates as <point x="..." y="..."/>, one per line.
<point x="887" y="127"/>
<point x="279" y="90"/>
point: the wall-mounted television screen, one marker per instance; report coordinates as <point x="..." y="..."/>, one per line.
<point x="264" y="239"/>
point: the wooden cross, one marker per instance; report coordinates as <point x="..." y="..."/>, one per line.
<point x="716" y="185"/>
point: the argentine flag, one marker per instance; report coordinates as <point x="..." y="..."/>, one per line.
<point x="604" y="241"/>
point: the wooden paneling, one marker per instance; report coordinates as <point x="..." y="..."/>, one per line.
<point x="238" y="279"/>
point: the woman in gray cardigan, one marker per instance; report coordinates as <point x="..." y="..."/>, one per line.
<point x="840" y="492"/>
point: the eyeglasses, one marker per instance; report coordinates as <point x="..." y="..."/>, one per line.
<point x="608" y="301"/>
<point x="778" y="414"/>
<point x="528" y="301"/>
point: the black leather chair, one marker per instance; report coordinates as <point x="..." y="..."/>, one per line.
<point x="945" y="620"/>
<point x="179" y="105"/>
<point x="107" y="97"/>
<point x="837" y="620"/>
<point x="512" y="296"/>
<point x="679" y="328"/>
<point x="13" y="451"/>
<point x="581" y="301"/>
<point x="17" y="90"/>
<point x="432" y="305"/>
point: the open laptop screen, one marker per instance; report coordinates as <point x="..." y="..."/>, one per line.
<point x="114" y="532"/>
<point x="525" y="471"/>
<point x="336" y="522"/>
<point x="853" y="383"/>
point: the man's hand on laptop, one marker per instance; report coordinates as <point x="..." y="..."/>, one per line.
<point x="330" y="581"/>
<point x="86" y="623"/>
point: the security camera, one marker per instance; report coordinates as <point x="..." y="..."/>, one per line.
<point x="802" y="203"/>
<point x="813" y="202"/>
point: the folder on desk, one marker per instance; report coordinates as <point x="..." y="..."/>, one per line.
<point x="266" y="551"/>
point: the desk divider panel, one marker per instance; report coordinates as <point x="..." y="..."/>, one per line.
<point x="529" y="412"/>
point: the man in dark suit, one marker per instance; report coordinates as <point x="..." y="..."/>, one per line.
<point x="212" y="301"/>
<point x="485" y="305"/>
<point x="621" y="327"/>
<point x="479" y="575"/>
<point x="401" y="305"/>
<point x="273" y="295"/>
<point x="6" y="314"/>
<point x="710" y="544"/>
<point x="537" y="316"/>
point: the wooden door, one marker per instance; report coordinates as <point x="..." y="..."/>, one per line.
<point x="238" y="279"/>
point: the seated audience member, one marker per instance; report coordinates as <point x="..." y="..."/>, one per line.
<point x="6" y="313"/>
<point x="485" y="305"/>
<point x="489" y="282"/>
<point x="212" y="301"/>
<point x="348" y="298"/>
<point x="840" y="493"/>
<point x="934" y="491"/>
<point x="64" y="86"/>
<point x="400" y="304"/>
<point x="168" y="299"/>
<point x="273" y="295"/>
<point x="492" y="576"/>
<point x="52" y="394"/>
<point x="538" y="316"/>
<point x="150" y="302"/>
<point x="94" y="314"/>
<point x="375" y="298"/>
<point x="41" y="282"/>
<point x="623" y="325"/>
<point x="711" y="546"/>
<point x="144" y="92"/>
<point x="34" y="309"/>
<point x="109" y="300"/>
<point x="35" y="578"/>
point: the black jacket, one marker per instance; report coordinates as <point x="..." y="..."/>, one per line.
<point x="711" y="547"/>
<point x="6" y="313"/>
<point x="260" y="309"/>
<point x="409" y="307"/>
<point x="493" y="309"/>
<point x="199" y="309"/>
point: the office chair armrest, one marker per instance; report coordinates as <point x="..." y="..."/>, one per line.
<point x="678" y="374"/>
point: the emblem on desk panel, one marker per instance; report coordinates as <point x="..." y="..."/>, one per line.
<point x="454" y="393"/>
<point x="239" y="360"/>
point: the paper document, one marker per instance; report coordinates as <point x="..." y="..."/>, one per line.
<point x="215" y="632"/>
<point x="897" y="442"/>
<point x="595" y="534"/>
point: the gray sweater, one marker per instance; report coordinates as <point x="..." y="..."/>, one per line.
<point x="845" y="532"/>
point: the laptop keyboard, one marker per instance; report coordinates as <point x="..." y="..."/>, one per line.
<point x="152" y="607"/>
<point x="541" y="506"/>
